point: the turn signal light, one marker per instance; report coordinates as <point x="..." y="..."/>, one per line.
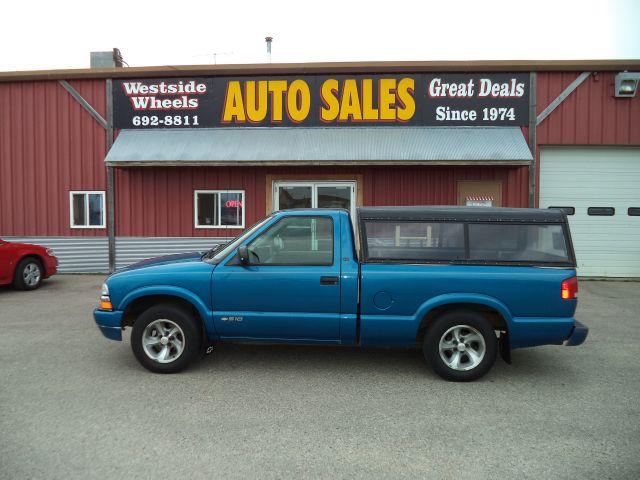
<point x="569" y="289"/>
<point x="105" y="304"/>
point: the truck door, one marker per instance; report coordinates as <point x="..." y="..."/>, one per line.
<point x="290" y="290"/>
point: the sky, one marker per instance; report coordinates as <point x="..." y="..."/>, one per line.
<point x="37" y="35"/>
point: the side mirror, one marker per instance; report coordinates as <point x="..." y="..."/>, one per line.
<point x="243" y="255"/>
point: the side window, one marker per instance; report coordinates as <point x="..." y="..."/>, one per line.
<point x="418" y="241"/>
<point x="219" y="208"/>
<point x="295" y="241"/>
<point x="86" y="209"/>
<point x="517" y="243"/>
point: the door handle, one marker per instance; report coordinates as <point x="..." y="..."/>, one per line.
<point x="328" y="280"/>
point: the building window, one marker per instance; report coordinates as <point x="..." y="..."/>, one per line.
<point x="219" y="208"/>
<point x="87" y="209"/>
<point x="566" y="210"/>
<point x="601" y="211"/>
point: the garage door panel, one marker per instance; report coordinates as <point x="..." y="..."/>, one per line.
<point x="583" y="177"/>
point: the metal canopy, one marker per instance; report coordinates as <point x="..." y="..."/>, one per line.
<point x="321" y="146"/>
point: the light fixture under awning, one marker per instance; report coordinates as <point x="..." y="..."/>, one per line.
<point x="321" y="146"/>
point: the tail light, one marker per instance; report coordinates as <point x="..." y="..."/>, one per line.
<point x="569" y="289"/>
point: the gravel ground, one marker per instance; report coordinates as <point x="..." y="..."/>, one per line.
<point x="76" y="405"/>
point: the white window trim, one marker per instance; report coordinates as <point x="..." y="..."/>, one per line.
<point x="195" y="209"/>
<point x="86" y="193"/>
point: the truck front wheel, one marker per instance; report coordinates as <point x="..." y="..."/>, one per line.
<point x="165" y="339"/>
<point x="460" y="346"/>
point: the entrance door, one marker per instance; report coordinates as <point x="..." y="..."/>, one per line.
<point x="288" y="195"/>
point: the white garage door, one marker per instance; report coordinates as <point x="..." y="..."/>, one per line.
<point x="602" y="184"/>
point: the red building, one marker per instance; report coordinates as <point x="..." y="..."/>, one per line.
<point x="112" y="165"/>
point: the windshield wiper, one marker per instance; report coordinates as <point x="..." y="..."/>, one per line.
<point x="211" y="251"/>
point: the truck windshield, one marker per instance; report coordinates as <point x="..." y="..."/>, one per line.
<point x="229" y="247"/>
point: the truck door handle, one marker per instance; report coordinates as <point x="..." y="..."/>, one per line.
<point x="328" y="280"/>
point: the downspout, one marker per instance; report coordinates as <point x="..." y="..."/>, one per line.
<point x="111" y="187"/>
<point x="533" y="166"/>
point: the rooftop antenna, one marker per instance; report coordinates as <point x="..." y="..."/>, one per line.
<point x="268" y="40"/>
<point x="215" y="55"/>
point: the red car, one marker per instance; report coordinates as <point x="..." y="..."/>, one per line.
<point x="24" y="265"/>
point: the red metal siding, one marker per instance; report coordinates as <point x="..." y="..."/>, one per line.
<point x="49" y="145"/>
<point x="438" y="185"/>
<point x="159" y="201"/>
<point x="591" y="115"/>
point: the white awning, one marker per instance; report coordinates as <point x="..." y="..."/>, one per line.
<point x="321" y="146"/>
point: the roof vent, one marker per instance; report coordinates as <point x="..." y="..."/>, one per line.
<point x="110" y="59"/>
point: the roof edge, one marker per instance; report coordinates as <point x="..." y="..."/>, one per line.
<point x="324" y="68"/>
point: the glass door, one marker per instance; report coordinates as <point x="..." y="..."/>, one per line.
<point x="293" y="196"/>
<point x="287" y="195"/>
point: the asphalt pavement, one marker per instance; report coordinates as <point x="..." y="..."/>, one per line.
<point x="76" y="405"/>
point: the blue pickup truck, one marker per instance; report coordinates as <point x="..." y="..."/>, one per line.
<point x="461" y="283"/>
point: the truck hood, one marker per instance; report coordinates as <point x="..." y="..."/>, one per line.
<point x="164" y="260"/>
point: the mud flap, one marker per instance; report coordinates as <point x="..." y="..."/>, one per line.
<point x="505" y="347"/>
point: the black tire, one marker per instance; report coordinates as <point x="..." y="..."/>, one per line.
<point x="28" y="274"/>
<point x="166" y="317"/>
<point x="453" y="328"/>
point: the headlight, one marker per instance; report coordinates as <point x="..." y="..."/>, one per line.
<point x="105" y="290"/>
<point x="49" y="252"/>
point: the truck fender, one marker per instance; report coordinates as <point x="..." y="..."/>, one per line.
<point x="454" y="298"/>
<point x="171" y="291"/>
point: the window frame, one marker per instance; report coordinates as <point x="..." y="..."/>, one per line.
<point x="86" y="193"/>
<point x="219" y="209"/>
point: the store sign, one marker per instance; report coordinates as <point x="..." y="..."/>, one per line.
<point x="479" y="201"/>
<point x="496" y="99"/>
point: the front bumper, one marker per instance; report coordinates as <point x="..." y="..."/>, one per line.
<point x="578" y="335"/>
<point x="50" y="266"/>
<point x="109" y="323"/>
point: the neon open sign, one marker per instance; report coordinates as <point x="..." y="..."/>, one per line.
<point x="233" y="203"/>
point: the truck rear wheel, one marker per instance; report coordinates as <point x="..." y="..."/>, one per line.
<point x="460" y="346"/>
<point x="165" y="339"/>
